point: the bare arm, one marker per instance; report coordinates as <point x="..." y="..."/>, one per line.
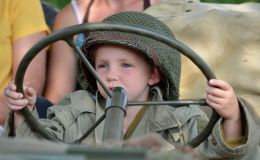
<point x="35" y="73"/>
<point x="61" y="78"/>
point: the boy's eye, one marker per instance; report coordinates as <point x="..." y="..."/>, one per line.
<point x="102" y="65"/>
<point x="126" y="65"/>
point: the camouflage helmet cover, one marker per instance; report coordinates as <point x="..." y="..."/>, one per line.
<point x="166" y="58"/>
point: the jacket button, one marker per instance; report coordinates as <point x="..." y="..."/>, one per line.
<point x="213" y="141"/>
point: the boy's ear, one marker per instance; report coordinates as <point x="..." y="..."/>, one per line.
<point x="155" y="77"/>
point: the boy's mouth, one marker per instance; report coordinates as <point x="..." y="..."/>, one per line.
<point x="112" y="87"/>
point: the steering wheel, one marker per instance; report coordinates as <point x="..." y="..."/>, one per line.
<point x="67" y="34"/>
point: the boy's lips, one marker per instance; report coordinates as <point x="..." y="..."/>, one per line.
<point x="111" y="87"/>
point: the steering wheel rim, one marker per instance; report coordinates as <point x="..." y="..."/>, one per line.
<point x="63" y="34"/>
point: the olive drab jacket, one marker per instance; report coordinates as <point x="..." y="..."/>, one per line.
<point x="78" y="111"/>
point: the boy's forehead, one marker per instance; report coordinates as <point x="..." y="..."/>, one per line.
<point x="118" y="50"/>
<point x="115" y="48"/>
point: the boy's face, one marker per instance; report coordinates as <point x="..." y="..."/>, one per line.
<point x="121" y="67"/>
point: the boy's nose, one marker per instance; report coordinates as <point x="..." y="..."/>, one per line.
<point x="112" y="75"/>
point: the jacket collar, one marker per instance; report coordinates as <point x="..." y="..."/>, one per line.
<point x="163" y="117"/>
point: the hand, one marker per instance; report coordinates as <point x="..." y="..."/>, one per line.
<point x="221" y="97"/>
<point x="17" y="101"/>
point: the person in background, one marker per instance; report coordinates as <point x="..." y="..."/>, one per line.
<point x="148" y="70"/>
<point x="22" y="25"/>
<point x="62" y="68"/>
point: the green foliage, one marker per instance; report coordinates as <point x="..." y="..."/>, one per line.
<point x="61" y="3"/>
<point x="229" y="1"/>
<point x="58" y="3"/>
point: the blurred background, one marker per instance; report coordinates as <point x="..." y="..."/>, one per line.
<point x="61" y="3"/>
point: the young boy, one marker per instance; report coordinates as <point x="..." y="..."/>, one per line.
<point x="147" y="70"/>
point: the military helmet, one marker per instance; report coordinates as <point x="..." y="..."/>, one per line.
<point x="166" y="58"/>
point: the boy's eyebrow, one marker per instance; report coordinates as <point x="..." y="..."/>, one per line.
<point x="120" y="59"/>
<point x="99" y="61"/>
